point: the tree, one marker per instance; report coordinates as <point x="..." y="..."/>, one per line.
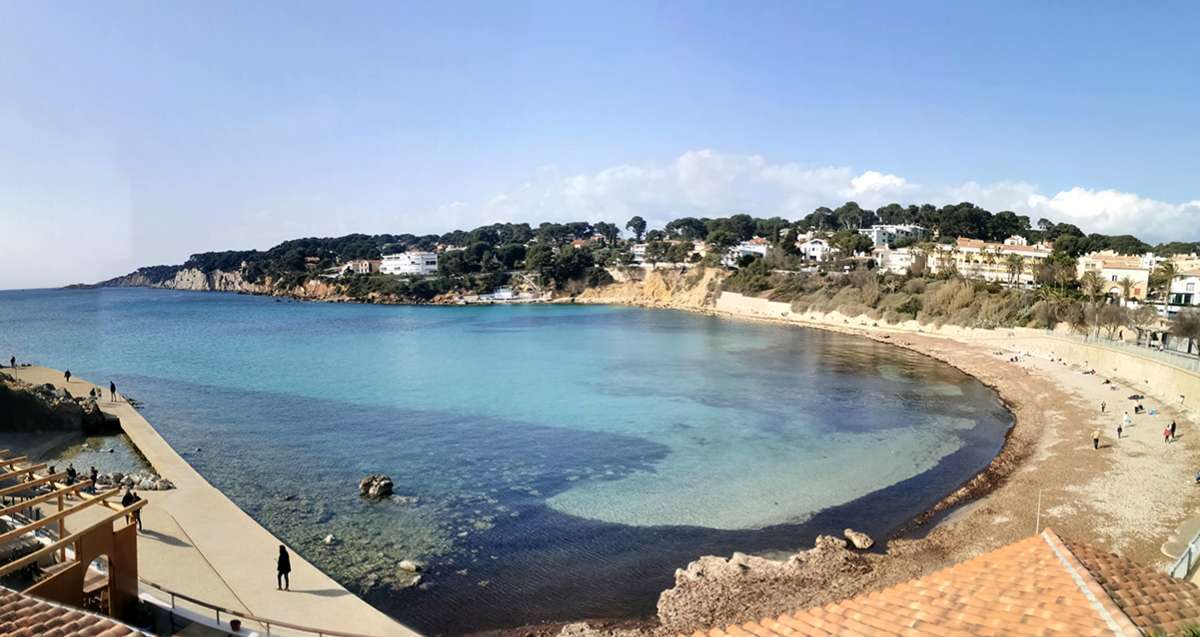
<point x="1092" y="285"/>
<point x="1127" y="285"/>
<point x="1186" y="324"/>
<point x="656" y="251"/>
<point x="851" y="242"/>
<point x="609" y="231"/>
<point x="721" y="240"/>
<point x="1111" y="318"/>
<point x="689" y="228"/>
<point x="1143" y="320"/>
<point x="637" y="226"/>
<point x="1015" y="265"/>
<point x="1162" y="278"/>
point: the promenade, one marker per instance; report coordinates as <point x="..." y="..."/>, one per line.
<point x="197" y="542"/>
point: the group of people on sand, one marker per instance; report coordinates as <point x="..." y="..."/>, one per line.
<point x="1127" y="421"/>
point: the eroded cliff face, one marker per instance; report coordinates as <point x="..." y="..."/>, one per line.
<point x="695" y="289"/>
<point x="192" y="279"/>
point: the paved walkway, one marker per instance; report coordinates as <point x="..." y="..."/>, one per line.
<point x="196" y="541"/>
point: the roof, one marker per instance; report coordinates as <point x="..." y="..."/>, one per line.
<point x="1037" y="586"/>
<point x="27" y="616"/>
<point x="980" y="244"/>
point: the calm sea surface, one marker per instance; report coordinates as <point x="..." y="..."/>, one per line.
<point x="564" y="460"/>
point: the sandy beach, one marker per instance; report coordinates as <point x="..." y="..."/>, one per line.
<point x="1128" y="496"/>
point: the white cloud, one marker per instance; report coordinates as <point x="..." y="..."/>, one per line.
<point x="708" y="183"/>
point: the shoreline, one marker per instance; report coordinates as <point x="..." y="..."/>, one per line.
<point x="1047" y="444"/>
<point x="186" y="542"/>
<point x="963" y="523"/>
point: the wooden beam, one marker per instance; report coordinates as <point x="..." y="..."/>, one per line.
<point x="49" y="549"/>
<point x="45" y="496"/>
<point x="35" y="482"/>
<point x="12" y="461"/>
<point x="20" y="472"/>
<point x="56" y="516"/>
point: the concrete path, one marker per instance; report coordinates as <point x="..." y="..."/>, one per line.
<point x="196" y="541"/>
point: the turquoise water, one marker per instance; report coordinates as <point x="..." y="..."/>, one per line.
<point x="564" y="460"/>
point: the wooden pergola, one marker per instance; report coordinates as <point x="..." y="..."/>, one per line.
<point x="39" y="510"/>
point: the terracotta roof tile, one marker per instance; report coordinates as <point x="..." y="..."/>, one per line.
<point x="1038" y="586"/>
<point x="26" y="616"/>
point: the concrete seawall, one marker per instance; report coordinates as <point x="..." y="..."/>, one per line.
<point x="199" y="543"/>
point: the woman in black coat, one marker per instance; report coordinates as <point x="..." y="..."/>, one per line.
<point x="283" y="566"/>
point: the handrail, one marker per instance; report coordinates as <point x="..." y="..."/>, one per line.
<point x="1184" y="560"/>
<point x="248" y="616"/>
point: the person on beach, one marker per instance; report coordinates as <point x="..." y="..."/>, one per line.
<point x="1167" y="434"/>
<point x="283" y="566"/>
<point x="1172" y="430"/>
<point x="112" y="391"/>
<point x="1096" y="439"/>
<point x="1103" y="406"/>
<point x="67" y="375"/>
<point x="1127" y="419"/>
<point x="1119" y="430"/>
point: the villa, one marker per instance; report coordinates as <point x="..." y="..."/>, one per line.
<point x="754" y="247"/>
<point x="978" y="259"/>
<point x="1185" y="289"/>
<point x="1115" y="268"/>
<point x="409" y="263"/>
<point x="888" y="234"/>
<point x="815" y="249"/>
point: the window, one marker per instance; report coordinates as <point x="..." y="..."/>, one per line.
<point x="1114" y="278"/>
<point x="1191" y="287"/>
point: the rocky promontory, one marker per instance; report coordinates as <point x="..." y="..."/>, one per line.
<point x="33" y="408"/>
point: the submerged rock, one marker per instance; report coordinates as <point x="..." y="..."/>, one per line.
<point x="411" y="566"/>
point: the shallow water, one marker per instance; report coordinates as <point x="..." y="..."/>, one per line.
<point x="564" y="460"/>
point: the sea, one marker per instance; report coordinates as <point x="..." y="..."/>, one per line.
<point x="550" y="462"/>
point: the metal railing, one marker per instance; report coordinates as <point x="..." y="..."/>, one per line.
<point x="1187" y="561"/>
<point x="271" y="626"/>
<point x="1174" y="358"/>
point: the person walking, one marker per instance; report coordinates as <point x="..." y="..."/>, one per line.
<point x="1119" y="430"/>
<point x="1167" y="434"/>
<point x="1096" y="439"/>
<point x="95" y="477"/>
<point x="1128" y="420"/>
<point x="112" y="391"/>
<point x="129" y="498"/>
<point x="283" y="566"/>
<point x="67" y="375"/>
<point x="1103" y="406"/>
<point x="1172" y="430"/>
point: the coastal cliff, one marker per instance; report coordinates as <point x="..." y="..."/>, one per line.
<point x="695" y="289"/>
<point x="187" y="279"/>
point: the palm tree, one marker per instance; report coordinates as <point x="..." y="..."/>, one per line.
<point x="1092" y="284"/>
<point x="1126" y="284"/>
<point x="1165" y="275"/>
<point x="1015" y="264"/>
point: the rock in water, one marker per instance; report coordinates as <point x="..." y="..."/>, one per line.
<point x="859" y="539"/>
<point x="329" y="540"/>
<point x="412" y="566"/>
<point x="375" y="487"/>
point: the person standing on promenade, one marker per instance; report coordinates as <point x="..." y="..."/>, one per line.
<point x="1096" y="439"/>
<point x="12" y="362"/>
<point x="129" y="498"/>
<point x="112" y="391"/>
<point x="67" y="375"/>
<point x="283" y="566"/>
<point x="95" y="477"/>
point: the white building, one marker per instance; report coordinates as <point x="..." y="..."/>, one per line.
<point x="816" y="249"/>
<point x="409" y="263"/>
<point x="887" y="234"/>
<point x="753" y="247"/>
<point x="897" y="261"/>
<point x="639" y="252"/>
<point x="1185" y="289"/>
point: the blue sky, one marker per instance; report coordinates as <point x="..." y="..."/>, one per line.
<point x="142" y="132"/>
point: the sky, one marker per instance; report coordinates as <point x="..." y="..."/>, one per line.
<point x="137" y="133"/>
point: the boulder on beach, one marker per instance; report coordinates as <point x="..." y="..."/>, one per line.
<point x="859" y="539"/>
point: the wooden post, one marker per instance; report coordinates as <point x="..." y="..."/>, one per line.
<point x="62" y="530"/>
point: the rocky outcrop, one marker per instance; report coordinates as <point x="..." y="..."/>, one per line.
<point x="714" y="591"/>
<point x="693" y="289"/>
<point x="44" y="408"/>
<point x="375" y="487"/>
<point x="139" y="481"/>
